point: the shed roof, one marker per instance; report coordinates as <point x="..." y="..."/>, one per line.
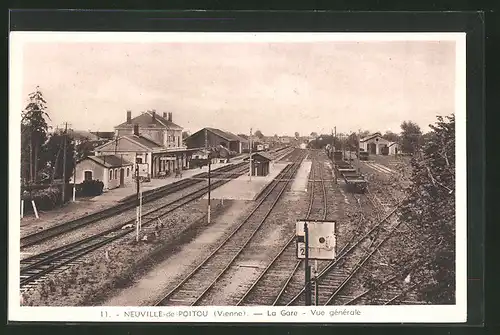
<point x="262" y="154"/>
<point x="372" y="136"/>
<point x="108" y="161"/>
<point x="146" y="120"/>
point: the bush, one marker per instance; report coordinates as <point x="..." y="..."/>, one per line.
<point x="45" y="199"/>
<point x="90" y="188"/>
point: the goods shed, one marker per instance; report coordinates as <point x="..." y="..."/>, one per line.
<point x="260" y="163"/>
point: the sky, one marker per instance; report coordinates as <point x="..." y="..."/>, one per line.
<point x="279" y="88"/>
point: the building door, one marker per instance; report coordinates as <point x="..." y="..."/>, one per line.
<point x="372" y="148"/>
<point x="87" y="175"/>
<point x="122" y="177"/>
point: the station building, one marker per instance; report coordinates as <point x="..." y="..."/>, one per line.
<point x="113" y="171"/>
<point x="150" y="139"/>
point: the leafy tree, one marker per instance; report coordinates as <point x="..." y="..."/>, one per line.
<point x="411" y="137"/>
<point x="297" y="135"/>
<point x="364" y="133"/>
<point x="314" y="134"/>
<point x="259" y="134"/>
<point x="33" y="135"/>
<point x="430" y="210"/>
<point x="390" y="136"/>
<point x="54" y="155"/>
<point x="185" y="134"/>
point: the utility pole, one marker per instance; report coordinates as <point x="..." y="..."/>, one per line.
<point x="209" y="170"/>
<point x="251" y="145"/>
<point x="138" y="201"/>
<point x="335" y="134"/>
<point x="307" y="267"/>
<point x="64" y="163"/>
<point x="359" y="144"/>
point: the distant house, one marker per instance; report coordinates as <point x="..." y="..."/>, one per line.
<point x="393" y="148"/>
<point x="113" y="171"/>
<point x="375" y="144"/>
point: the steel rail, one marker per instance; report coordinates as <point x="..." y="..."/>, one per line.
<point x="53" y="259"/>
<point x="312" y="182"/>
<point x="128" y="204"/>
<point x="289" y="168"/>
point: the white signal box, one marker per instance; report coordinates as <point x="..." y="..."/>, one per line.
<point x="143" y="169"/>
<point x="322" y="239"/>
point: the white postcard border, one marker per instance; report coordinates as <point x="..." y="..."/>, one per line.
<point x="368" y="314"/>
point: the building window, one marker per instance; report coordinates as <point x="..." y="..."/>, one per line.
<point x="116" y="173"/>
<point x="87" y="175"/>
<point x="138" y="160"/>
<point x="110" y="174"/>
<point x="128" y="172"/>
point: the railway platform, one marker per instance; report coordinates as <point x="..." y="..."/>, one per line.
<point x="85" y="206"/>
<point x="302" y="178"/>
<point x="242" y="188"/>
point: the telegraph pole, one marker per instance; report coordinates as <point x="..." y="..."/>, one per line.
<point x="138" y="200"/>
<point x="64" y="163"/>
<point x="251" y="144"/>
<point x="359" y="143"/>
<point x="307" y="268"/>
<point x="209" y="170"/>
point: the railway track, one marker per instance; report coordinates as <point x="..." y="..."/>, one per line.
<point x="129" y="204"/>
<point x="36" y="267"/>
<point x="282" y="275"/>
<point x="196" y="285"/>
<point x="335" y="276"/>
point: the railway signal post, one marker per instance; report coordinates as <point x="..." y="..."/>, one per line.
<point x="138" y="202"/>
<point x="316" y="240"/>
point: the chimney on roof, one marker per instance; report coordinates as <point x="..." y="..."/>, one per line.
<point x="129" y="116"/>
<point x="165" y="115"/>
<point x="170" y="116"/>
<point x="153" y="113"/>
<point x="136" y="129"/>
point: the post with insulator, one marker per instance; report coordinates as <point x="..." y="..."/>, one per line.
<point x="307" y="267"/>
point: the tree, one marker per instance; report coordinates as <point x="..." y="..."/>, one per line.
<point x="430" y="210"/>
<point x="390" y="136"/>
<point x="33" y="134"/>
<point x="259" y="134"/>
<point x="411" y="137"/>
<point x="314" y="134"/>
<point x="297" y="135"/>
<point x="185" y="134"/>
<point x="54" y="155"/>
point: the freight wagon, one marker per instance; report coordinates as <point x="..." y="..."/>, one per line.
<point x="354" y="180"/>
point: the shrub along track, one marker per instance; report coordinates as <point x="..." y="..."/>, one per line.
<point x="198" y="284"/>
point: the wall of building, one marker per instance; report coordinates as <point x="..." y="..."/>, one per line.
<point x="89" y="165"/>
